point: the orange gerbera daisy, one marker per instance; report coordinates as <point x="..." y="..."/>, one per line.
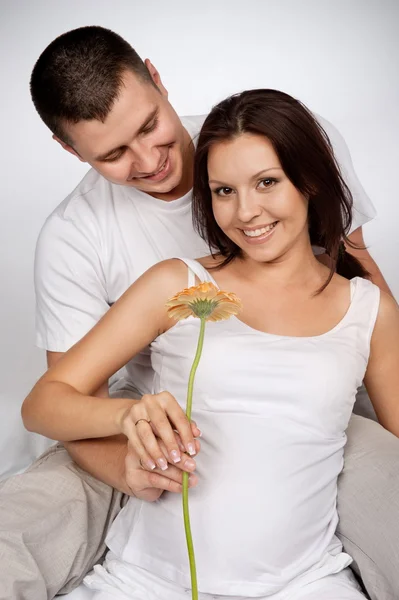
<point x="204" y="301"/>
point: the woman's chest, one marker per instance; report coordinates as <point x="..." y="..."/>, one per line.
<point x="241" y="371"/>
<point x="293" y="314"/>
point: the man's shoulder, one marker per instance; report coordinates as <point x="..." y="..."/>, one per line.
<point x="88" y="205"/>
<point x="92" y="192"/>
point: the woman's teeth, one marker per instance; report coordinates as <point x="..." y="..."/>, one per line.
<point x="258" y="232"/>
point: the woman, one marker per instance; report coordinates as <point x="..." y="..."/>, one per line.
<point x="275" y="387"/>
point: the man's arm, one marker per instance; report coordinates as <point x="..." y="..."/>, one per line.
<point x="110" y="461"/>
<point x="362" y="254"/>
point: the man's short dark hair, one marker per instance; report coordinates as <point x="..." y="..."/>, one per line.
<point x="79" y="75"/>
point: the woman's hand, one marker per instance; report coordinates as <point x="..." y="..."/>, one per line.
<point x="150" y="485"/>
<point x="158" y="431"/>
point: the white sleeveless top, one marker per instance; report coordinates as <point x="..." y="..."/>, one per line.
<point x="273" y="411"/>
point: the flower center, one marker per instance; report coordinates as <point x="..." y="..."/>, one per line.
<point x="203" y="307"/>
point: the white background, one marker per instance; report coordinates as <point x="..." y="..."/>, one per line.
<point x="341" y="57"/>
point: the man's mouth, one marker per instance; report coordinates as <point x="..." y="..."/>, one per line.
<point x="158" y="175"/>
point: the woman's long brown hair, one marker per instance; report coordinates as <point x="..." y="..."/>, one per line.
<point x="306" y="157"/>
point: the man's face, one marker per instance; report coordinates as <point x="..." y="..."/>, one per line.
<point x="141" y="144"/>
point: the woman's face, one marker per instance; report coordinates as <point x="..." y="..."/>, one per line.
<point x="254" y="202"/>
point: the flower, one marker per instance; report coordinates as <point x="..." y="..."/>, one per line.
<point x="204" y="301"/>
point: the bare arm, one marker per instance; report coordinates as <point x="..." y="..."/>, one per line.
<point x="104" y="458"/>
<point x="62" y="405"/>
<point x="382" y="375"/>
<point x="367" y="261"/>
<point x="110" y="460"/>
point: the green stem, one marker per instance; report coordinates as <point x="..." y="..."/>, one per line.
<point x="186" y="514"/>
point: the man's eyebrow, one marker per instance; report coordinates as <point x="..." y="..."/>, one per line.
<point x="153" y="114"/>
<point x="253" y="177"/>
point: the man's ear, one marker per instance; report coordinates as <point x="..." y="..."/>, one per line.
<point x="155" y="76"/>
<point x="68" y="148"/>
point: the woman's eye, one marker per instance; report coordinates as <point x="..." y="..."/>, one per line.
<point x="266" y="183"/>
<point x="223" y="191"/>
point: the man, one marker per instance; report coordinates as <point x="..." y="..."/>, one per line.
<point x="109" y="109"/>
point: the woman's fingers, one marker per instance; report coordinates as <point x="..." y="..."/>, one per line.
<point x="167" y="415"/>
<point x="196" y="432"/>
<point x="185" y="464"/>
<point x="149" y="485"/>
<point x="155" y="418"/>
<point x="147" y="451"/>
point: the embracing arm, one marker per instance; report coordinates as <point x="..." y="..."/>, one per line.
<point x="382" y="375"/>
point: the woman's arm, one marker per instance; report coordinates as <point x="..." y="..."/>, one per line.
<point x="382" y="375"/>
<point x="61" y="405"/>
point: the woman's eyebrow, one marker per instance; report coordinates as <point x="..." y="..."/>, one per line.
<point x="253" y="177"/>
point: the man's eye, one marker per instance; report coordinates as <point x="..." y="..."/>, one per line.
<point x="223" y="191"/>
<point x="150" y="127"/>
<point x="114" y="157"/>
<point x="266" y="183"/>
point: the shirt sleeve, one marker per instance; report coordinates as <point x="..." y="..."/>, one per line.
<point x="70" y="285"/>
<point x="363" y="209"/>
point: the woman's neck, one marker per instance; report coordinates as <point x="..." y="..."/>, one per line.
<point x="298" y="267"/>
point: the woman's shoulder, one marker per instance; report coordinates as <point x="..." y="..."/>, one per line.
<point x="172" y="275"/>
<point x="169" y="273"/>
<point x="388" y="311"/>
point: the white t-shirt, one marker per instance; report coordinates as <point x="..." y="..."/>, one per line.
<point x="103" y="236"/>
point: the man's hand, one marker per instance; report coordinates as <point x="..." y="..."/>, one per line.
<point x="150" y="484"/>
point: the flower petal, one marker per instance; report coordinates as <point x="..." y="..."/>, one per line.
<point x="203" y="301"/>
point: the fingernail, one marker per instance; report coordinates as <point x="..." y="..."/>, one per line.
<point x="191" y="449"/>
<point x="199" y="432"/>
<point x="190" y="464"/>
<point x="162" y="464"/>
<point x="151" y="465"/>
<point x="175" y="456"/>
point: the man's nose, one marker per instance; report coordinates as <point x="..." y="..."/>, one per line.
<point x="146" y="161"/>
